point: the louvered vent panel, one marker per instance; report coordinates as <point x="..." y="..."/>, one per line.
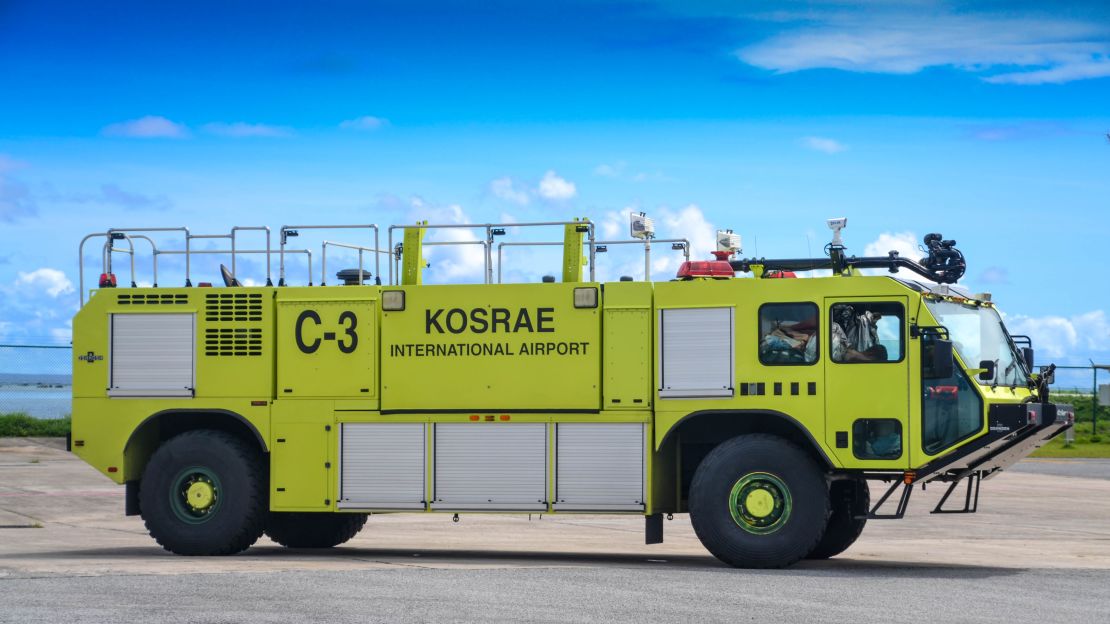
<point x="232" y="341"/>
<point x="152" y="299"/>
<point x="233" y="307"/>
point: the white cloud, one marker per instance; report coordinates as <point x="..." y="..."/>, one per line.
<point x="823" y="144"/>
<point x="149" y="127"/>
<point x="555" y="188"/>
<point x="505" y="188"/>
<point x="464" y="263"/>
<point x="610" y="171"/>
<point x="1000" y="47"/>
<point x="614" y="224"/>
<point x="907" y="244"/>
<point x="1058" y="336"/>
<point x="364" y="123"/>
<point x="1079" y="69"/>
<point x="45" y="280"/>
<point x="690" y="223"/>
<point x="241" y="130"/>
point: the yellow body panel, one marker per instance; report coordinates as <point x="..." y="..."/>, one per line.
<point x="293" y="364"/>
<point x="479" y="347"/>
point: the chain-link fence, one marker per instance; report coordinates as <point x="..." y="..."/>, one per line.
<point x="35" y="380"/>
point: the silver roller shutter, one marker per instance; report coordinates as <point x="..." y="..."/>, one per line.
<point x="494" y="466"/>
<point x="382" y="465"/>
<point x="152" y="355"/>
<point x="599" y="466"/>
<point x="696" y="352"/>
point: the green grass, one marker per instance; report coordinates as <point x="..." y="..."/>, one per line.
<point x="1085" y="444"/>
<point x="22" y="425"/>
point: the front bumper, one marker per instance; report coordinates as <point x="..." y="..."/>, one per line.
<point x="1014" y="431"/>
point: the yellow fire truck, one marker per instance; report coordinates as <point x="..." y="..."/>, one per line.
<point x="762" y="405"/>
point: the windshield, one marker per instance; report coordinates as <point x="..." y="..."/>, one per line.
<point x="978" y="334"/>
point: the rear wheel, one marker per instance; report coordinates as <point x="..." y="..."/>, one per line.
<point x="758" y="501"/>
<point x="203" y="493"/>
<point x="313" y="530"/>
<point x="849" y="499"/>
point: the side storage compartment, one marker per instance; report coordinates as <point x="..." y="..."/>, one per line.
<point x="300" y="456"/>
<point x="152" y="355"/>
<point x="382" y="465"/>
<point x="627" y="346"/>
<point x="599" y="466"/>
<point x="495" y="466"/>
<point x="696" y="352"/>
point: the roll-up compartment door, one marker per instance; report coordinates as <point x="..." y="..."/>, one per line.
<point x="599" y="466"/>
<point x="696" y="353"/>
<point x="152" y="355"/>
<point x="491" y="466"/>
<point x="382" y="465"/>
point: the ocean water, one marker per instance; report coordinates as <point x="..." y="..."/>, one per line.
<point x="36" y="402"/>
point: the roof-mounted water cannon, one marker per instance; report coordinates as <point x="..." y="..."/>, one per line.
<point x="945" y="262"/>
<point x="641" y="225"/>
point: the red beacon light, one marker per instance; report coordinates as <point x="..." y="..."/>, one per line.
<point x="713" y="269"/>
<point x="107" y="280"/>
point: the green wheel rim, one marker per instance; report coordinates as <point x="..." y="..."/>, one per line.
<point x="195" y="495"/>
<point x="759" y="503"/>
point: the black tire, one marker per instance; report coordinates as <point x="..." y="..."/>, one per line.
<point x="848" y="498"/>
<point x="236" y="477"/>
<point x="771" y="463"/>
<point x="313" y="530"/>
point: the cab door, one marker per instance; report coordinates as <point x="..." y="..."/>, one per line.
<point x="867" y="381"/>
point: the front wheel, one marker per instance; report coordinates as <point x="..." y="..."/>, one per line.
<point x="759" y="501"/>
<point x="313" y="530"/>
<point x="204" y="493"/>
<point x="850" y="500"/>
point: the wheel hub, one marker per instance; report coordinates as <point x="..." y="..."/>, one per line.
<point x="200" y="495"/>
<point x="195" y="495"/>
<point x="760" y="503"/>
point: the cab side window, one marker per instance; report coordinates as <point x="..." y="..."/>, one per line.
<point x="867" y="332"/>
<point x="788" y="334"/>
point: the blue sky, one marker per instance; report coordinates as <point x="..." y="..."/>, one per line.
<point x="985" y="121"/>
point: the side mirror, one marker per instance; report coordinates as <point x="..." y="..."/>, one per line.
<point x="937" y="361"/>
<point x="1027" y="355"/>
<point x="986" y="370"/>
<point x="1048" y="374"/>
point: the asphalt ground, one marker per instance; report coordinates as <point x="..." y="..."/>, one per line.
<point x="1037" y="551"/>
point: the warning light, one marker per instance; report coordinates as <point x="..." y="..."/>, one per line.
<point x="473" y="417"/>
<point x="505" y="417"/>
<point x="113" y="469"/>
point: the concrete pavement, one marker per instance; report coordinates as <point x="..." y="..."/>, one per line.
<point x="1039" y="549"/>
